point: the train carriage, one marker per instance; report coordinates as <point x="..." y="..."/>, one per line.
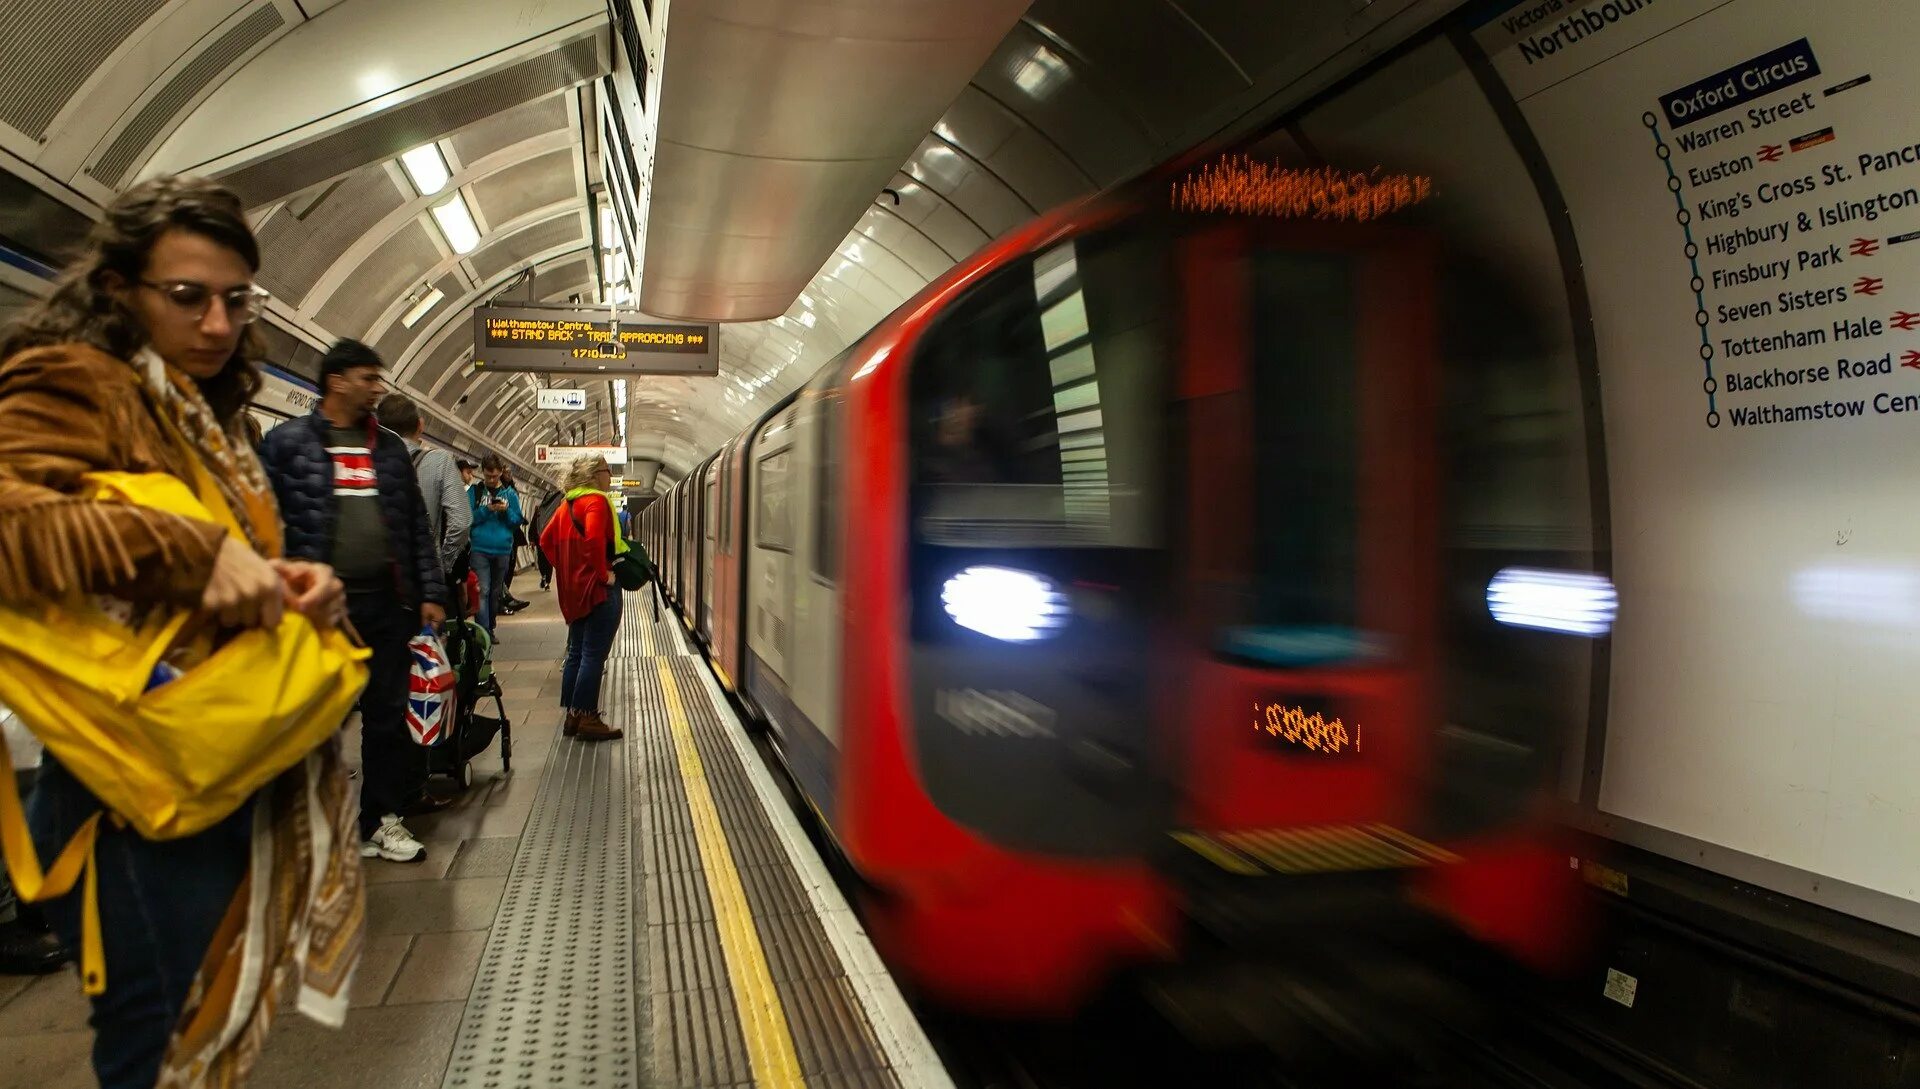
<point x="1108" y="573"/>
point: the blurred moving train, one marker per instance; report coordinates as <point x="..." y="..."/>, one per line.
<point x="1105" y="582"/>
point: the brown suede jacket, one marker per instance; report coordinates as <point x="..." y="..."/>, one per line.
<point x="66" y="411"/>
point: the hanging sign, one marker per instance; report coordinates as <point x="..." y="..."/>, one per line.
<point x="563" y="400"/>
<point x="552" y="455"/>
<point x="589" y="340"/>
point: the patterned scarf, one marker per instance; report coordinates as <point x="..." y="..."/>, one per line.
<point x="226" y="455"/>
<point x="299" y="917"/>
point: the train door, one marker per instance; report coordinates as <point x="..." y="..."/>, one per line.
<point x="1307" y="551"/>
<point x="709" y="546"/>
<point x="770" y="589"/>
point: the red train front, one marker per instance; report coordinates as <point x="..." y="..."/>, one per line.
<point x="1106" y="582"/>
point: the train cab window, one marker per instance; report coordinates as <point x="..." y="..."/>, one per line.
<point x="1038" y="403"/>
<point x="713" y="506"/>
<point x="1306" y="454"/>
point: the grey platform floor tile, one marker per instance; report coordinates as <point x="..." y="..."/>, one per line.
<point x="391" y="1047"/>
<point x="433" y="868"/>
<point x="50" y="1060"/>
<point x="439" y="968"/>
<point x="485" y="857"/>
<point x="379" y="963"/>
<point x="433" y="907"/>
<point x="49" y="1004"/>
<point x="11" y="986"/>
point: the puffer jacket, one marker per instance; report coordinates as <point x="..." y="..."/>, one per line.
<point x="297" y="462"/>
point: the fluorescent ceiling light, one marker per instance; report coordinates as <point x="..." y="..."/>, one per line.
<point x="419" y="309"/>
<point x="608" y="236"/>
<point x="428" y="169"/>
<point x="457" y="224"/>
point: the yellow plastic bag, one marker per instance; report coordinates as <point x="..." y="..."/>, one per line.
<point x="180" y="758"/>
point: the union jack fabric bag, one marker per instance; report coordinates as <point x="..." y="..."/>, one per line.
<point x="430" y="690"/>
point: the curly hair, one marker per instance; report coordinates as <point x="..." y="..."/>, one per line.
<point x="83" y="307"/>
<point x="580" y="471"/>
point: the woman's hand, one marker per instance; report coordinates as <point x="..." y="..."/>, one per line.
<point x="313" y="591"/>
<point x="244" y="591"/>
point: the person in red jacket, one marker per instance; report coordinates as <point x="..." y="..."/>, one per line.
<point x="582" y="539"/>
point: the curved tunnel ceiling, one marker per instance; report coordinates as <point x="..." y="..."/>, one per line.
<point x="1078" y="95"/>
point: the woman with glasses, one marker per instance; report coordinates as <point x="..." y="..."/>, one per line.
<point x="138" y="362"/>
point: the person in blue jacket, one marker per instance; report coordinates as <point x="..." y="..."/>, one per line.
<point x="496" y="512"/>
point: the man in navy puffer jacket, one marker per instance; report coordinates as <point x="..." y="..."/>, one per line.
<point x="349" y="498"/>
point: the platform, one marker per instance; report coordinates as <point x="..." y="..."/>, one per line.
<point x="643" y="913"/>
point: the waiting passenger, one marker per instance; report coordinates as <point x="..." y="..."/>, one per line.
<point x="449" y="514"/>
<point x="468" y="471"/>
<point x="582" y="541"/>
<point x="496" y="514"/>
<point x="138" y="362"/>
<point x="543" y="514"/>
<point x="349" y="496"/>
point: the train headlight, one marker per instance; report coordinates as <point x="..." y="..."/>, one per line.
<point x="1013" y="606"/>
<point x="1572" y="602"/>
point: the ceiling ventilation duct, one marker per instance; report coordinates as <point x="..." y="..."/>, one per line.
<point x="780" y="120"/>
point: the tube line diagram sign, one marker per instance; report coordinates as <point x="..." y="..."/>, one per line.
<point x="583" y="340"/>
<point x="1743" y="179"/>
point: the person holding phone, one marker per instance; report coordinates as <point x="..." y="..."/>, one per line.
<point x="496" y="513"/>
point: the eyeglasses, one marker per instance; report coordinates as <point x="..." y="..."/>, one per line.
<point x="243" y="304"/>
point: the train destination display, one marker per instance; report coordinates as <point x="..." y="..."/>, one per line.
<point x="572" y="340"/>
<point x="1742" y="178"/>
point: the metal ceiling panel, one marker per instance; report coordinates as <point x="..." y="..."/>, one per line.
<point x="393" y="343"/>
<point x="525" y="244"/>
<point x="1099" y="132"/>
<point x="427" y="117"/>
<point x="387" y="274"/>
<point x="526" y="187"/>
<point x="1158" y="65"/>
<point x="1030" y="164"/>
<point x="970" y="186"/>
<point x="563" y="278"/>
<point x="906" y="240"/>
<point x="825" y="98"/>
<point x="48" y="49"/>
<point x="1252" y="36"/>
<point x="509" y="127"/>
<point x="163" y="109"/>
<point x="301" y="241"/>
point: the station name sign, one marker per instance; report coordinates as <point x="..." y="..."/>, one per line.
<point x="583" y="340"/>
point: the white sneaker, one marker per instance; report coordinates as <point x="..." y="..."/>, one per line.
<point x="394" y="843"/>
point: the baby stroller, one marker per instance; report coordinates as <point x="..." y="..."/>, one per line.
<point x="469" y="654"/>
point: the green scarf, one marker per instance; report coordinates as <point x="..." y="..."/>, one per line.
<point x="620" y="545"/>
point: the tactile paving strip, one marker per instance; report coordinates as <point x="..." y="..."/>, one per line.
<point x="553" y="1004"/>
<point x="836" y="1044"/>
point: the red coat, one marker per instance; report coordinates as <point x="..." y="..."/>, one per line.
<point x="578" y="542"/>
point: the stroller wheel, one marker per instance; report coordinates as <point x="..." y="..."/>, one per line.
<point x="464" y="774"/>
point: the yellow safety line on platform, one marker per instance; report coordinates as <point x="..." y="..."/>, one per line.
<point x="763" y="1020"/>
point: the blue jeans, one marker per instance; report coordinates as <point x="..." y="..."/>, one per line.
<point x="160" y="904"/>
<point x="493" y="583"/>
<point x="589" y="641"/>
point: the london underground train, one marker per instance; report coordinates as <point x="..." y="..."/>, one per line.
<point x="1104" y="582"/>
